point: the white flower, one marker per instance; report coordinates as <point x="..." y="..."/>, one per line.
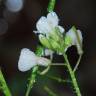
<point x="43" y="61"/>
<point x="76" y="38"/>
<point x="47" y="24"/>
<point x="48" y="52"/>
<point x="28" y="60"/>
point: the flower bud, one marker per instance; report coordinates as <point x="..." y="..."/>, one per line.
<point x="76" y="39"/>
<point x="55" y="45"/>
<point x="44" y="41"/>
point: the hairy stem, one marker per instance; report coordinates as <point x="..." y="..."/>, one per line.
<point x="32" y="80"/>
<point x="72" y="75"/>
<point x="3" y="85"/>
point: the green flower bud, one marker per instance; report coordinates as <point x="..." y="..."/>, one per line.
<point x="55" y="45"/>
<point x="44" y="41"/>
<point x="56" y="35"/>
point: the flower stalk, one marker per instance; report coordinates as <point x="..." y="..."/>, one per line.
<point x="77" y="64"/>
<point x="72" y="75"/>
<point x="59" y="80"/>
<point x="32" y="80"/>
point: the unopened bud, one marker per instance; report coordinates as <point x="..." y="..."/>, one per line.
<point x="44" y="41"/>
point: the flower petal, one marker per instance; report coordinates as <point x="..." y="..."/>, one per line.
<point x="72" y="35"/>
<point x="80" y="36"/>
<point x="52" y="19"/>
<point x="27" y="60"/>
<point x="48" y="52"/>
<point x="79" y="44"/>
<point x="36" y="32"/>
<point x="43" y="61"/>
<point x="76" y="39"/>
<point x="43" y="26"/>
<point x="61" y="29"/>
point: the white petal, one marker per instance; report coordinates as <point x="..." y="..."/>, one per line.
<point x="48" y="52"/>
<point x="27" y="60"/>
<point x="43" y="61"/>
<point x="36" y="32"/>
<point x="75" y="41"/>
<point x="80" y="35"/>
<point x="52" y="19"/>
<point x="72" y="35"/>
<point x="61" y="29"/>
<point x="43" y="26"/>
<point x="79" y="46"/>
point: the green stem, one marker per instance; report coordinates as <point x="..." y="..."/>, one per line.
<point x="38" y="52"/>
<point x="48" y="68"/>
<point x="3" y="85"/>
<point x="72" y="74"/>
<point x="77" y="64"/>
<point x="58" y="64"/>
<point x="58" y="79"/>
<point x="32" y="80"/>
<point x="51" y="5"/>
<point x="49" y="91"/>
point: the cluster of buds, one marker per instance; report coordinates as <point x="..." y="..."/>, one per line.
<point x="53" y="36"/>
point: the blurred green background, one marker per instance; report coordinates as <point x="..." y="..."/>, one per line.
<point x="19" y="34"/>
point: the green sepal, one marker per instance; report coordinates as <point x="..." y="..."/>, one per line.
<point x="55" y="45"/>
<point x="67" y="40"/>
<point x="44" y="41"/>
<point x="56" y="34"/>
